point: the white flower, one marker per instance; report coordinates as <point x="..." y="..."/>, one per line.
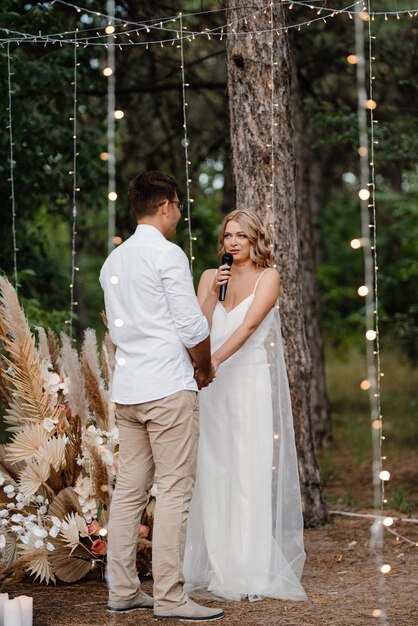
<point x="42" y="510"/>
<point x="25" y="538"/>
<point x="20" y="506"/>
<point x="39" y="544"/>
<point x="2" y="541"/>
<point x="49" y="424"/>
<point x="64" y="386"/>
<point x="17" y="517"/>
<point x="9" y="489"/>
<point x="91" y="429"/>
<point x="17" y="529"/>
<point x="4" y="513"/>
<point x="20" y="497"/>
<point x="4" y="522"/>
<point x="2" y="479"/>
<point x="54" y="531"/>
<point x="40" y="532"/>
<point x="50" y="547"/>
<point x="39" y="498"/>
<point x="11" y="505"/>
<point x="57" y="522"/>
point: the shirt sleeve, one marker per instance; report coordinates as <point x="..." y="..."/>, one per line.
<point x="190" y="323"/>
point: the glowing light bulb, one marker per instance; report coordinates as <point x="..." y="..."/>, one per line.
<point x="376" y="613"/>
<point x="363" y="290"/>
<point x="107" y="71"/>
<point x="104" y="156"/>
<point x="103" y="532"/>
<point x="370" y="104"/>
<point x="385" y="569"/>
<point x="352" y="59"/>
<point x="109" y="30"/>
<point x="112" y="195"/>
<point x="371" y="335"/>
<point x="384" y="475"/>
<point x="362" y="151"/>
<point x="365" y="384"/>
<point x="121" y="361"/>
<point x="114" y="280"/>
<point x="119" y="114"/>
<point x="118" y="322"/>
<point x="117" y="240"/>
<point x="355" y="244"/>
<point x="388" y="521"/>
<point x="376" y="424"/>
<point x="364" y="194"/>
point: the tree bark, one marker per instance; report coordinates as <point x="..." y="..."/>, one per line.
<point x="320" y="409"/>
<point x="259" y="83"/>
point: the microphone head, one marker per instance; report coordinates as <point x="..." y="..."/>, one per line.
<point x="227" y="258"/>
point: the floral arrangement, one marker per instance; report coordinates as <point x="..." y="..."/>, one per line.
<point x="58" y="471"/>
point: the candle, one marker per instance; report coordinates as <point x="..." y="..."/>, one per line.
<point x="3" y="598"/>
<point x="26" y="609"/>
<point x="12" y="615"/>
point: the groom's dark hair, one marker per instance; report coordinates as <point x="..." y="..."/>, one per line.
<point x="148" y="190"/>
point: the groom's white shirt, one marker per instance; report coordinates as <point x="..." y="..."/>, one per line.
<point x="153" y="316"/>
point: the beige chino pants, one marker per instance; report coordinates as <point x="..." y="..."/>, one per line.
<point x="158" y="442"/>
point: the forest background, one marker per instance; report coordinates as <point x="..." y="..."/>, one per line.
<point x="151" y="136"/>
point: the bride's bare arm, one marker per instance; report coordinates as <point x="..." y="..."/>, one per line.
<point x="265" y="297"/>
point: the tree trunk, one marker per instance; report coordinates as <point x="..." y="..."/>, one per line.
<point x="320" y="409"/>
<point x="261" y="141"/>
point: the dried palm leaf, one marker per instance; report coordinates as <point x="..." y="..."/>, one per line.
<point x="53" y="452"/>
<point x="27" y="443"/>
<point x="66" y="501"/>
<point x="70" y="565"/>
<point x="54" y="350"/>
<point x="30" y="402"/>
<point x="37" y="561"/>
<point x="76" y="388"/>
<point x="98" y="400"/>
<point x="11" y="472"/>
<point x="75" y="526"/>
<point x="5" y="393"/>
<point x="43" y="349"/>
<point x="15" y="571"/>
<point x="10" y="552"/>
<point x="33" y="476"/>
<point x="13" y="317"/>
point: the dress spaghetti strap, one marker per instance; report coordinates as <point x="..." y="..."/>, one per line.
<point x="256" y="282"/>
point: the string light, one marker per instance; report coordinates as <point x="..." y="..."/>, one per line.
<point x="186" y="145"/>
<point x="111" y="147"/>
<point x="12" y="167"/>
<point x="75" y="189"/>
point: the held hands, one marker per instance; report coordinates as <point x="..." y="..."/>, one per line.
<point x="223" y="274"/>
<point x="203" y="377"/>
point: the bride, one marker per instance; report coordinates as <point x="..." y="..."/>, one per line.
<point x="245" y="528"/>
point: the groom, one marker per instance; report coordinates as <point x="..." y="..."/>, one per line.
<point x="162" y="358"/>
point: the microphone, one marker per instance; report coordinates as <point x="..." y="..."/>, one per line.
<point x="227" y="258"/>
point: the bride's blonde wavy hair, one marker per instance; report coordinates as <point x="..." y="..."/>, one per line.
<point x="260" y="251"/>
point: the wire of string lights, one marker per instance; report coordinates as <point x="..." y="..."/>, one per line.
<point x="109" y="72"/>
<point x="368" y="229"/>
<point x="189" y="200"/>
<point x="163" y="26"/>
<point x="12" y="166"/>
<point x="73" y="303"/>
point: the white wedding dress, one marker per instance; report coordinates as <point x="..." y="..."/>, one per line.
<point x="245" y="528"/>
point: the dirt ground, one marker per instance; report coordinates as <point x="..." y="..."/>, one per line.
<point x="341" y="580"/>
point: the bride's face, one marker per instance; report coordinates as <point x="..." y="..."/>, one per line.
<point x="236" y="241"/>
